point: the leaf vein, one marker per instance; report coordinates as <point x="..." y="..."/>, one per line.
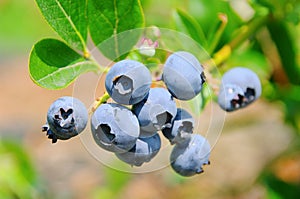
<point x="71" y="23"/>
<point x="116" y="28"/>
<point x="58" y="71"/>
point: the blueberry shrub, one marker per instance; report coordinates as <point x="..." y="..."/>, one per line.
<point x="212" y="52"/>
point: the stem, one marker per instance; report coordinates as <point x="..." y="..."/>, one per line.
<point x="100" y="100"/>
<point x="220" y="29"/>
<point x="245" y="31"/>
<point x="101" y="69"/>
<point x="241" y="35"/>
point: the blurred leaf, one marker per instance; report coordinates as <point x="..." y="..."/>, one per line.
<point x="115" y="182"/>
<point x="68" y="18"/>
<point x="288" y="10"/>
<point x="116" y="179"/>
<point x="18" y="178"/>
<point x="271" y="4"/>
<point x="289" y="96"/>
<point x="206" y="13"/>
<point x="251" y="59"/>
<point x="286" y="47"/>
<point x="187" y="24"/>
<point x="277" y="189"/>
<point x="19" y="21"/>
<point x="54" y="65"/>
<point x="293" y="12"/>
<point x="109" y="18"/>
<point x="217" y="32"/>
<point x="291" y="99"/>
<point x="273" y="195"/>
<point x="103" y="193"/>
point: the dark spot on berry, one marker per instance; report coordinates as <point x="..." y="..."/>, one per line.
<point x="186" y="127"/>
<point x="65" y="114"/>
<point x="163" y="119"/>
<point x="123" y="85"/>
<point x="237" y="103"/>
<point x="203" y="78"/>
<point x="107" y="132"/>
<point x="250" y="94"/>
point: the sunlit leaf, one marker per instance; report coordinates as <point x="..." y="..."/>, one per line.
<point x="252" y="59"/>
<point x="186" y="23"/>
<point x="206" y="13"/>
<point x="54" y="65"/>
<point x="109" y="18"/>
<point x="68" y="18"/>
<point x="286" y="49"/>
<point x="18" y="177"/>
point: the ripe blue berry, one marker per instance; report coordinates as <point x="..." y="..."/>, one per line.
<point x="143" y="151"/>
<point x="188" y="157"/>
<point x="156" y="111"/>
<point x="114" y="127"/>
<point x="144" y="134"/>
<point x="183" y="75"/>
<point x="128" y="82"/>
<point x="240" y="87"/>
<point x="66" y="118"/>
<point x="183" y="123"/>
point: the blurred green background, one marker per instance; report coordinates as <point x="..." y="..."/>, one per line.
<point x="256" y="156"/>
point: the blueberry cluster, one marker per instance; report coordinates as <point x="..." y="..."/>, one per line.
<point x="132" y="133"/>
<point x="129" y="127"/>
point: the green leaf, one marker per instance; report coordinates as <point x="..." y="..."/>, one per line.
<point x="68" y="18"/>
<point x="286" y="48"/>
<point x="206" y="13"/>
<point x="271" y="194"/>
<point x="116" y="180"/>
<point x="279" y="188"/>
<point x="54" y="65"/>
<point x="293" y="12"/>
<point x="109" y="18"/>
<point x="19" y="178"/>
<point x="251" y="59"/>
<point x="189" y="24"/>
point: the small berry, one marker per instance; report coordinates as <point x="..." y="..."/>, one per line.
<point x="128" y="82"/>
<point x="114" y="127"/>
<point x="183" y="75"/>
<point x="66" y="118"/>
<point x="240" y="87"/>
<point x="188" y="157"/>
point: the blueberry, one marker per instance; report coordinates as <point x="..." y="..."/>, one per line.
<point x="144" y="134"/>
<point x="66" y="118"/>
<point x="182" y="123"/>
<point x="114" y="127"/>
<point x="240" y="87"/>
<point x="128" y="82"/>
<point x="188" y="157"/>
<point x="143" y="151"/>
<point x="183" y="75"/>
<point x="156" y="111"/>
